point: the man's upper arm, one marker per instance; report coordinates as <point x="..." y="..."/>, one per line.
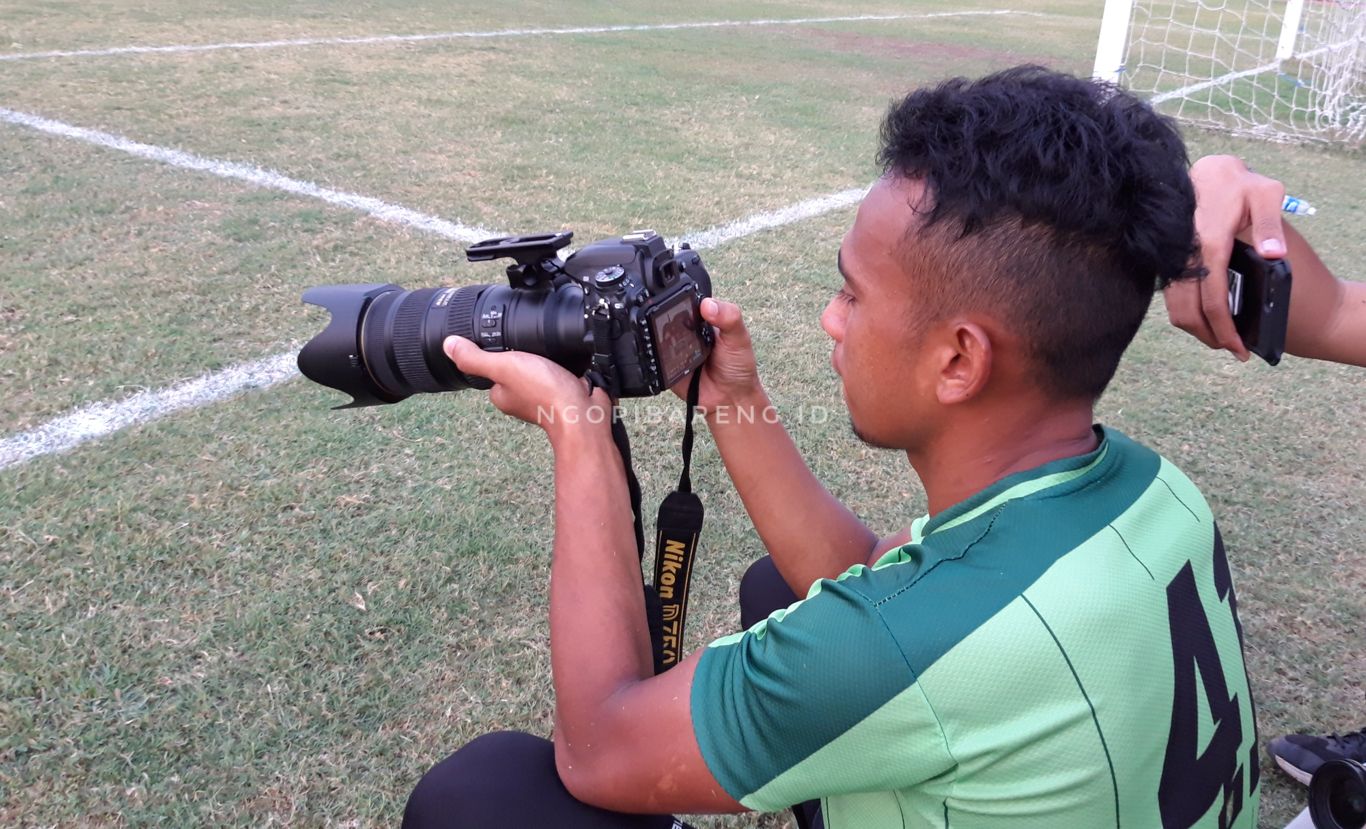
<point x="891" y="542"/>
<point x="816" y="700"/>
<point x="648" y="760"/>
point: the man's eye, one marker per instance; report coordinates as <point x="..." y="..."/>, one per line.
<point x="844" y="296"/>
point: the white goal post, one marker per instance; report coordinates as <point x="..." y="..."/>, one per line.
<point x="1283" y="70"/>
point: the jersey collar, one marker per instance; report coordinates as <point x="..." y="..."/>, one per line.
<point x="1014" y="486"/>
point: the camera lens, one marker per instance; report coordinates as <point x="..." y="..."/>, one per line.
<point x="384" y="343"/>
<point x="401" y="336"/>
<point x="1337" y="795"/>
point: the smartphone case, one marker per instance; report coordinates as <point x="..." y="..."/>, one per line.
<point x="1265" y="311"/>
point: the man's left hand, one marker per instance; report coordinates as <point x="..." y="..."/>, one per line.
<point x="531" y="388"/>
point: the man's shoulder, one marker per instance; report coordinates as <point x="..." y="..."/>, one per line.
<point x="1168" y="477"/>
<point x="938" y="591"/>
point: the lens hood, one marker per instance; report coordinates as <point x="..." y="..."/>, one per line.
<point x="1337" y="795"/>
<point x="334" y="358"/>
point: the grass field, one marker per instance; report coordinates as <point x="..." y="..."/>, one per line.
<point x="264" y="612"/>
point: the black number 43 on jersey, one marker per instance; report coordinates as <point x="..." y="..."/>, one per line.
<point x="1193" y="780"/>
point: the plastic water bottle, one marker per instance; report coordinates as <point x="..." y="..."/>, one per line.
<point x="1297" y="207"/>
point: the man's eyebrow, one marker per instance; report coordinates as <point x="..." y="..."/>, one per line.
<point x="839" y="264"/>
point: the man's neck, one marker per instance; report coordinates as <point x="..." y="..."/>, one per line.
<point x="979" y="453"/>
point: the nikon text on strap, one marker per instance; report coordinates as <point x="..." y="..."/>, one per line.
<point x="679" y="526"/>
<point x="678" y="529"/>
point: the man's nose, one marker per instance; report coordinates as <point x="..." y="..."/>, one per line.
<point x="832" y="321"/>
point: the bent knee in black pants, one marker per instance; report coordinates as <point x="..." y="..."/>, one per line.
<point x="762" y="591"/>
<point x="508" y="779"/>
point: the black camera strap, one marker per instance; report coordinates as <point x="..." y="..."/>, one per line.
<point x="678" y="529"/>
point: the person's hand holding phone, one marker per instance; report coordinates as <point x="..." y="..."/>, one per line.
<point x="1232" y="202"/>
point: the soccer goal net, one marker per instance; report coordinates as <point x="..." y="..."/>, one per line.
<point x="1284" y="70"/>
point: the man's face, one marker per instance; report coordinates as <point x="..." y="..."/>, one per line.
<point x="872" y="319"/>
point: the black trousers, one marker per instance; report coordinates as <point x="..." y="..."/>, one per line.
<point x="508" y="779"/>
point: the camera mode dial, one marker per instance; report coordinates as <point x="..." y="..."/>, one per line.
<point x="609" y="276"/>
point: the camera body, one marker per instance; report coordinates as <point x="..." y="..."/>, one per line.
<point x="640" y="304"/>
<point x="623" y="311"/>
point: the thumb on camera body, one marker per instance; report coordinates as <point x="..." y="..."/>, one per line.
<point x="731" y="372"/>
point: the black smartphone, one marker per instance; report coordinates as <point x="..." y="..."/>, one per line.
<point x="1259" y="298"/>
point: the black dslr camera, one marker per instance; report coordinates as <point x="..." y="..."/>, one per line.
<point x="623" y="311"/>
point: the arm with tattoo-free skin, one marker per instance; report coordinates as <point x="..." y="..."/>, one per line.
<point x="623" y="738"/>
<point x="1327" y="314"/>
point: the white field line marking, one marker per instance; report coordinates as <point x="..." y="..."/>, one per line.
<point x="1233" y="76"/>
<point x="438" y="36"/>
<point x="257" y="176"/>
<point x="100" y="419"/>
<point x="740" y="228"/>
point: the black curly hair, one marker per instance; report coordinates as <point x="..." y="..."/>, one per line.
<point x="1057" y="203"/>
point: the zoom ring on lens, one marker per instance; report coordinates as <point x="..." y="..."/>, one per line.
<point x="408" y="344"/>
<point x="460" y="313"/>
<point x="460" y="322"/>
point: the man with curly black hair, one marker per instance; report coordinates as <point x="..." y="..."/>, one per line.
<point x="1055" y="644"/>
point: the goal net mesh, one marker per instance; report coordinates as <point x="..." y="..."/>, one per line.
<point x="1285" y="71"/>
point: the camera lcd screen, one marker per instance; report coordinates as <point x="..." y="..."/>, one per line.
<point x="676" y="339"/>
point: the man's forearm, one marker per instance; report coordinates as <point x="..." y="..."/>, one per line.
<point x="809" y="533"/>
<point x="599" y="641"/>
<point x="1327" y="315"/>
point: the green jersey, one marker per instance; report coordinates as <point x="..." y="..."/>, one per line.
<point x="1060" y="650"/>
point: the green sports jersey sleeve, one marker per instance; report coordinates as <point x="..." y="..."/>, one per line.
<point x="779" y="721"/>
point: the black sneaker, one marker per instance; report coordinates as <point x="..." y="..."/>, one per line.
<point x="1300" y="755"/>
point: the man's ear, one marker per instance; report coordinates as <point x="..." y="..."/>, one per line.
<point x="965" y="364"/>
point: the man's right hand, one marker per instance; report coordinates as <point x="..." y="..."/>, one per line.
<point x="809" y="533"/>
<point x="730" y="377"/>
